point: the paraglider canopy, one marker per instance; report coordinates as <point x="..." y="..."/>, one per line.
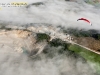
<point x="86" y="20"/>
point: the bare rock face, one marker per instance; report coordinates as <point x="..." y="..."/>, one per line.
<point x="19" y="41"/>
<point x="13" y="40"/>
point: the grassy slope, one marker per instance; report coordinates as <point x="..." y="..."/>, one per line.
<point x="89" y="56"/>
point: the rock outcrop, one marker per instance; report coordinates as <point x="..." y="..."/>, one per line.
<point x="19" y="41"/>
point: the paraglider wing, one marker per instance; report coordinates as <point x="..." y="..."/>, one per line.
<point x="85" y="20"/>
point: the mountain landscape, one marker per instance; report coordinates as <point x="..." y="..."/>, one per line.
<point x="44" y="37"/>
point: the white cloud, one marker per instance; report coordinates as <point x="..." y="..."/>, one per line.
<point x="56" y="12"/>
